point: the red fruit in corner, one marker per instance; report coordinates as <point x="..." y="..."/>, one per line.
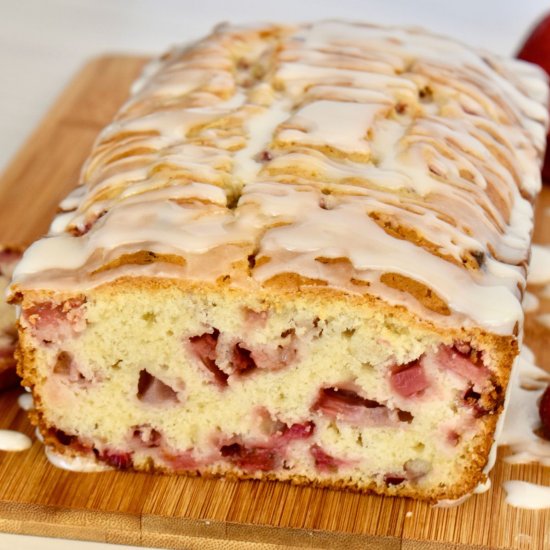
<point x="536" y="49"/>
<point x="544" y="412"/>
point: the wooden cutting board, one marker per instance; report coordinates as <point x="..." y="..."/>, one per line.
<point x="180" y="512"/>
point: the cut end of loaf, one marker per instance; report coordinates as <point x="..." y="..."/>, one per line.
<point x="214" y="381"/>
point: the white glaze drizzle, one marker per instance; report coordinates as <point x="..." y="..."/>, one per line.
<point x="10" y="440"/>
<point x="539" y="267"/>
<point x="452" y="503"/>
<point x="260" y="128"/>
<point x="530" y="302"/>
<point x="529" y="496"/>
<point x="334" y="105"/>
<point x="521" y="417"/>
<point x="74" y="463"/>
<point x="25" y="401"/>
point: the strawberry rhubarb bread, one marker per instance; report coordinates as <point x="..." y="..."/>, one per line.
<point x="297" y="253"/>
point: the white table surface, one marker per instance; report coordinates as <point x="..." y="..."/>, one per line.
<point x="44" y="42"/>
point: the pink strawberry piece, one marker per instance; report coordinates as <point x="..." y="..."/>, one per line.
<point x="153" y="391"/>
<point x="251" y="458"/>
<point x="299" y="431"/>
<point x="279" y="433"/>
<point x="204" y="348"/>
<point x="181" y="461"/>
<point x="408" y="380"/>
<point x="536" y="49"/>
<point x="51" y="321"/>
<point x="323" y="461"/>
<point x="453" y="438"/>
<point x="121" y="461"/>
<point x="450" y="358"/>
<point x="544" y="412"/>
<point x="347" y="405"/>
<point x="241" y="360"/>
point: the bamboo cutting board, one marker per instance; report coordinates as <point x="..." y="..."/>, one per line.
<point x="192" y="513"/>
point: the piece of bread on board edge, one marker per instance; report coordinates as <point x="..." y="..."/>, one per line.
<point x="297" y="253"/>
<point x="9" y="256"/>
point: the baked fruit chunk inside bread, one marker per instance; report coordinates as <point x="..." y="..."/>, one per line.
<point x="313" y="387"/>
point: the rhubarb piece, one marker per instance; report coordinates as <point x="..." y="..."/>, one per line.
<point x="409" y="380"/>
<point x="241" y="360"/>
<point x="298" y="431"/>
<point x="324" y="462"/>
<point x="153" y="391"/>
<point x="49" y="321"/>
<point x="120" y="460"/>
<point x="348" y="406"/>
<point x="450" y="358"/>
<point x="204" y="348"/>
<point x="251" y="458"/>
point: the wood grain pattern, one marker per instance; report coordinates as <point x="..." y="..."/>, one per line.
<point x="177" y="512"/>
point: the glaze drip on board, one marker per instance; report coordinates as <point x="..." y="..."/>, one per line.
<point x="11" y="440"/>
<point x="25" y="401"/>
<point x="521" y="418"/>
<point x="530" y="496"/>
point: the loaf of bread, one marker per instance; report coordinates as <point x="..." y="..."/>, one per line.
<point x="298" y="253"/>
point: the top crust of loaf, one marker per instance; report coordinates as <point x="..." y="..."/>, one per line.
<point x="379" y="162"/>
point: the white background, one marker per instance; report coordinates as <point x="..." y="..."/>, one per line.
<point x="43" y="42"/>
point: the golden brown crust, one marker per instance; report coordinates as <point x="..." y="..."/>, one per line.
<point x="426" y="296"/>
<point x="143" y="257"/>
